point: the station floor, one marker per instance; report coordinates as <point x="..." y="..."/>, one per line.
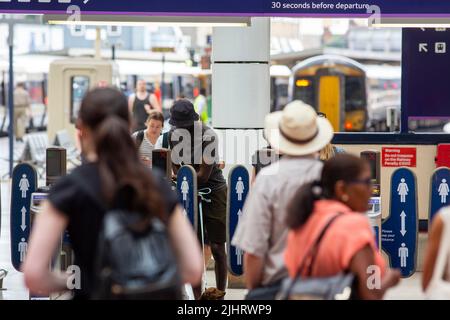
<point x="409" y="289"/>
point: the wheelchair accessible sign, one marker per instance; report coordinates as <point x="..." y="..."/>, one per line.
<point x="400" y="231"/>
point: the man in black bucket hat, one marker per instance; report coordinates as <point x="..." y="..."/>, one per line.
<point x="193" y="143"/>
<point x="182" y="114"/>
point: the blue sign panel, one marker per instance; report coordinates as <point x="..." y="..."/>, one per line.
<point x="396" y="8"/>
<point x="400" y="230"/>
<point x="377" y="236"/>
<point x="375" y="218"/>
<point x="238" y="187"/>
<point x="187" y="193"/>
<point x="24" y="183"/>
<point x="440" y="191"/>
<point x="426" y="70"/>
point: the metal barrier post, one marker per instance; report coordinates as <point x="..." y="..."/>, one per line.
<point x="375" y="213"/>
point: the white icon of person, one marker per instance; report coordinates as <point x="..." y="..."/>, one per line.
<point x="444" y="191"/>
<point x="402" y="190"/>
<point x="239" y="252"/>
<point x="240" y="188"/>
<point x="403" y="254"/>
<point x="22" y="248"/>
<point x="24" y="186"/>
<point x="185" y="189"/>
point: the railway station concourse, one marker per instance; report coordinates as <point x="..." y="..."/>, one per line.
<point x="378" y="72"/>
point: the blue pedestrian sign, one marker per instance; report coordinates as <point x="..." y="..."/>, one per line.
<point x="400" y="230"/>
<point x="440" y="191"/>
<point x="187" y="193"/>
<point x="238" y="187"/>
<point x="24" y="183"/>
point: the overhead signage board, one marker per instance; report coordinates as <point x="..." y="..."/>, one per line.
<point x="325" y="8"/>
<point x="426" y="70"/>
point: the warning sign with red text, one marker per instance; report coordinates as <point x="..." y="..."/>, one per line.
<point x="399" y="157"/>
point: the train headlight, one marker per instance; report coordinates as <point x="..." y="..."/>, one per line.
<point x="348" y="126"/>
<point x="303" y="83"/>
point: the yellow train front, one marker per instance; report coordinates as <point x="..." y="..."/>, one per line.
<point x="335" y="86"/>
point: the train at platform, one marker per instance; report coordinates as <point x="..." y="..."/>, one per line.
<point x="180" y="79"/>
<point x="354" y="97"/>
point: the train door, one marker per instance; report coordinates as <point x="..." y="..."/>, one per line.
<point x="330" y="99"/>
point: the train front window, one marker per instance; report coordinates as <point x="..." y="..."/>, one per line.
<point x="305" y="90"/>
<point x="355" y="98"/>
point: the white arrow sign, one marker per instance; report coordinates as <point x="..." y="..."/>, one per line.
<point x="403" y="229"/>
<point x="23" y="226"/>
<point x="423" y="47"/>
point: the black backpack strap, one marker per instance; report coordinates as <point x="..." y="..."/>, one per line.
<point x="140" y="137"/>
<point x="165" y="141"/>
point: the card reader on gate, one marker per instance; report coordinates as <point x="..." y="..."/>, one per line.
<point x="162" y="160"/>
<point x="37" y="198"/>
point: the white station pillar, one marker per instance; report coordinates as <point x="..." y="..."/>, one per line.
<point x="241" y="75"/>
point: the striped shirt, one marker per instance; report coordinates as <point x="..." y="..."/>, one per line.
<point x="146" y="148"/>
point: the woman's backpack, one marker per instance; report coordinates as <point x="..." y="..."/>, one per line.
<point x="135" y="265"/>
<point x="134" y="258"/>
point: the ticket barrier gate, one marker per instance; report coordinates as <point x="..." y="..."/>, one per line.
<point x="3" y="273"/>
<point x="65" y="257"/>
<point x="162" y="160"/>
<point x="56" y="168"/>
<point x="374" y="213"/>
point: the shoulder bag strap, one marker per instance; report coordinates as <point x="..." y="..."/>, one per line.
<point x="165" y="141"/>
<point x="312" y="253"/>
<point x="140" y="137"/>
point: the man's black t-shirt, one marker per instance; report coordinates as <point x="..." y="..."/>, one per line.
<point x="86" y="216"/>
<point x="204" y="146"/>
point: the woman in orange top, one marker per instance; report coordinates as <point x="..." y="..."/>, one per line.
<point x="349" y="243"/>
